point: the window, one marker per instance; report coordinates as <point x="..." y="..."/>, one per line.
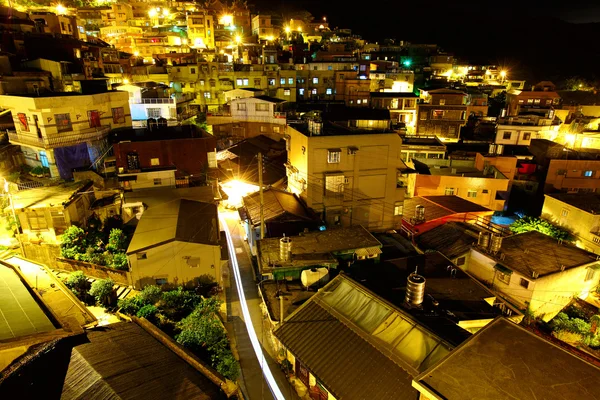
<point x="529" y="101"/>
<point x="154" y="161"/>
<point x="157" y="181"/>
<point x="262" y="107"/>
<point x="276" y="129"/>
<point x="316" y="81"/>
<point x="271" y="81"/>
<point x="290" y="81"/>
<point x="314" y="91"/>
<point x="524" y="283"/>
<point x="460" y="261"/>
<point x="485" y="191"/>
<point x="437" y="114"/>
<point x="449" y="191"/>
<point x="359" y="101"/>
<point x="526" y="136"/>
<point x="502" y="277"/>
<point x="549" y="102"/>
<point x="282" y="81"/>
<point x="192" y="70"/>
<point x="398" y="208"/>
<point x="506" y="135"/>
<point x="241" y="107"/>
<point x="37" y="221"/>
<point x="301" y="92"/>
<point x="161" y="281"/>
<point x="239" y="82"/>
<point x="263" y="129"/>
<point x="245" y="81"/>
<point x="207" y="95"/>
<point x="590" y="274"/>
<point x="63" y="122"/>
<point x="257" y="82"/>
<point x="564" y="212"/>
<point x="286" y="92"/>
<point x="333" y="156"/>
<point x="58" y="222"/>
<point x="536" y="101"/>
<point x="328" y="91"/>
<point x="472" y="193"/>
<point x="118" y="115"/>
<point x="588" y="173"/>
<point x="365" y="101"/>
<point x="596" y="239"/>
<point x="153" y="112"/>
<point x="24" y="122"/>
<point x="201" y="82"/>
<point x="334" y="183"/>
<point x="442" y="102"/>
<point x="423" y="115"/>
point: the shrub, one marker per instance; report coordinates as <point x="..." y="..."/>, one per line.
<point x="78" y="283"/>
<point x="102" y="291"/>
<point x="527" y="224"/>
<point x="151" y="294"/>
<point x="130" y="305"/>
<point x="148" y="311"/>
<point x="119" y="261"/>
<point x="228" y="366"/>
<point x="37" y="170"/>
<point x="178" y="303"/>
<point x="73" y="242"/>
<point x="116" y="241"/>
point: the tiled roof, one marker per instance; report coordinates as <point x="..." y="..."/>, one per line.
<point x="277" y="203"/>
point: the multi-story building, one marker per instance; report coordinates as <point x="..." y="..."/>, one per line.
<point x="119" y="14"/>
<point x="200" y="30"/>
<point x="150" y="45"/>
<point x="402" y="106"/>
<point x="444" y="115"/>
<point x="263" y="28"/>
<point x="346" y="173"/>
<point x="531" y="102"/>
<point x="64" y="131"/>
<point x="520" y="130"/>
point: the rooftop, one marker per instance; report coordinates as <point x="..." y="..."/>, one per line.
<point x="339" y="129"/>
<point x="58" y="94"/>
<point x="361" y="346"/>
<point x="270" y="99"/>
<point x="165" y="133"/>
<point x="588" y="202"/>
<point x="278" y="204"/>
<point x="21" y="314"/>
<point x="336" y="114"/>
<point x="316" y="247"/>
<point x="155" y="197"/>
<point x="503" y="360"/>
<point x="452" y="239"/>
<point x="452" y="296"/>
<point x="124" y="361"/>
<point x="447" y="91"/>
<point x="177" y="220"/>
<point x="470" y="172"/>
<point x="441" y="206"/>
<point x="50" y="196"/>
<point x="410" y="140"/>
<point x="410" y="95"/>
<point x="533" y="251"/>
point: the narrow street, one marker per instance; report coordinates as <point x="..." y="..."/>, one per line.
<point x="254" y="382"/>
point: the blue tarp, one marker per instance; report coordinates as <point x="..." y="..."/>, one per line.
<point x="71" y="157"/>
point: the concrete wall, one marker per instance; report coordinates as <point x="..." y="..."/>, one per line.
<point x="149" y="180"/>
<point x="505" y="164"/>
<point x="97" y="271"/>
<point x="571" y="176"/>
<point x="169" y="262"/>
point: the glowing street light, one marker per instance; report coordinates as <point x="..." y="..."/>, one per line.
<point x="288" y="29"/>
<point x="226" y="19"/>
<point x="299" y="29"/>
<point x="503" y="74"/>
<point x="152" y="13"/>
<point x="60" y="9"/>
<point x="136" y="53"/>
<point x="165" y="13"/>
<point x="270" y="38"/>
<point x="238" y="39"/>
<point x="126" y="81"/>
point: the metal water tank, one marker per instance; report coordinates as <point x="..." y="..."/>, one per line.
<point x="285" y="249"/>
<point x="415" y="289"/>
<point x="495" y="243"/>
<point x="420" y="213"/>
<point x="483" y="240"/>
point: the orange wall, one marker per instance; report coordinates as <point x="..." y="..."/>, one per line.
<point x="506" y="165"/>
<point x="573" y="178"/>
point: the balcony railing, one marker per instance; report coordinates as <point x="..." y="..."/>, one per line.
<point x="177" y="98"/>
<point x="58" y="139"/>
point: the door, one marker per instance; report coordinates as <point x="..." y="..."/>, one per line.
<point x="44" y="159"/>
<point x="94" y="117"/>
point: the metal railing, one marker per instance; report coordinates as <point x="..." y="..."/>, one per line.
<point x="59" y="139"/>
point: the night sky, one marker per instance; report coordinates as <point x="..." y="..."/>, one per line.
<point x="534" y="39"/>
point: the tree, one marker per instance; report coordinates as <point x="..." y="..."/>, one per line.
<point x="102" y="291"/>
<point x="73" y="242"/>
<point x="130" y="305"/>
<point x="78" y="283"/>
<point x="150" y="294"/>
<point x="116" y="241"/>
<point x="496" y="104"/>
<point x="119" y="261"/>
<point x="148" y="311"/>
<point x="527" y="224"/>
<point x="179" y="303"/>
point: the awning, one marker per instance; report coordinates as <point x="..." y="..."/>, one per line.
<point x="503" y="269"/>
<point x="128" y="178"/>
<point x="368" y="252"/>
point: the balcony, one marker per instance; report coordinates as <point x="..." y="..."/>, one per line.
<point x="58" y="139"/>
<point x="176" y="98"/>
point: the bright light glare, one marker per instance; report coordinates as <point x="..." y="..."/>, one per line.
<point x="247" y="319"/>
<point x="236" y="190"/>
<point x="152" y="13"/>
<point x="299" y="29"/>
<point x="503" y="74"/>
<point x="238" y="39"/>
<point x="288" y="29"/>
<point x="165" y="13"/>
<point x="226" y="19"/>
<point x="60" y="9"/>
<point x="126" y="81"/>
<point x="270" y="38"/>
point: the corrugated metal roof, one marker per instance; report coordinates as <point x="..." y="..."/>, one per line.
<point x="122" y="361"/>
<point x="369" y="251"/>
<point x="357" y="345"/>
<point x="276" y="204"/>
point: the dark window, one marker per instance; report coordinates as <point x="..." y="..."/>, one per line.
<point x="63" y="122"/>
<point x="133" y="161"/>
<point x="460" y="261"/>
<point x="118" y="115"/>
<point x="142" y="256"/>
<point x="524" y="283"/>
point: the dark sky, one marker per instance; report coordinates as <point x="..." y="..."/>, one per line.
<point x="536" y="39"/>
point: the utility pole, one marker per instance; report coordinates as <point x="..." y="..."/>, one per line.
<point x="262" y="200"/>
<point x="12" y="207"/>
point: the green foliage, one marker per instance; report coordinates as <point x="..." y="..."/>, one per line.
<point x="102" y="291"/>
<point x="119" y="261"/>
<point x="94" y="235"/>
<point x="151" y="294"/>
<point x="116" y="241"/>
<point x="562" y="322"/>
<point x="130" y="305"/>
<point x="78" y="283"/>
<point x="178" y="303"/>
<point x="73" y="242"/>
<point x="148" y="311"/>
<point x="527" y="224"/>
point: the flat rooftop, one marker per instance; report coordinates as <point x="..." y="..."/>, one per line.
<point x="533" y="251"/>
<point x="505" y="361"/>
<point x="20" y="314"/>
<point x="459" y="297"/>
<point x="466" y="172"/>
<point x="165" y="133"/>
<point x="452" y="239"/>
<point x="337" y="129"/>
<point x="410" y="140"/>
<point x="588" y="202"/>
<point x="440" y="206"/>
<point x="316" y="246"/>
<point x="49" y="196"/>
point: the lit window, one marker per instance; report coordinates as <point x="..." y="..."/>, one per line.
<point x="263" y="129"/>
<point x="290" y="81"/>
<point x="328" y="91"/>
<point x="301" y="92"/>
<point x="154" y="161"/>
<point x="314" y="91"/>
<point x="271" y="81"/>
<point x="365" y="101"/>
<point x="245" y="81"/>
<point x="333" y="156"/>
<point x="286" y="92"/>
<point x="472" y="193"/>
<point x="207" y="95"/>
<point x="153" y="112"/>
<point x="276" y="129"/>
<point x="316" y="81"/>
<point x="334" y="183"/>
<point x="442" y="102"/>
<point x="536" y="101"/>
<point x="239" y="82"/>
<point x="282" y="81"/>
<point x="588" y="173"/>
<point x="398" y="208"/>
<point x="449" y="191"/>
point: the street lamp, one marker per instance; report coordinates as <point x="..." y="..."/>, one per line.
<point x="299" y="29"/>
<point x="238" y="39"/>
<point x="503" y="75"/>
<point x="60" y="9"/>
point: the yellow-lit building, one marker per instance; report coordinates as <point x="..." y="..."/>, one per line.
<point x="263" y="28"/>
<point x="200" y="30"/>
<point x="350" y="175"/>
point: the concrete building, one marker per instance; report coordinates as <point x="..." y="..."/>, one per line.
<point x="534" y="271"/>
<point x="66" y="130"/>
<point x="163" y="157"/>
<point x="174" y="243"/>
<point x="402" y="106"/>
<point x="534" y="101"/>
<point x="422" y="147"/>
<point x="579" y="213"/>
<point x="521" y="130"/>
<point x="348" y="172"/>
<point x="263" y="28"/>
<point x="444" y="115"/>
<point x="200" y="30"/>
